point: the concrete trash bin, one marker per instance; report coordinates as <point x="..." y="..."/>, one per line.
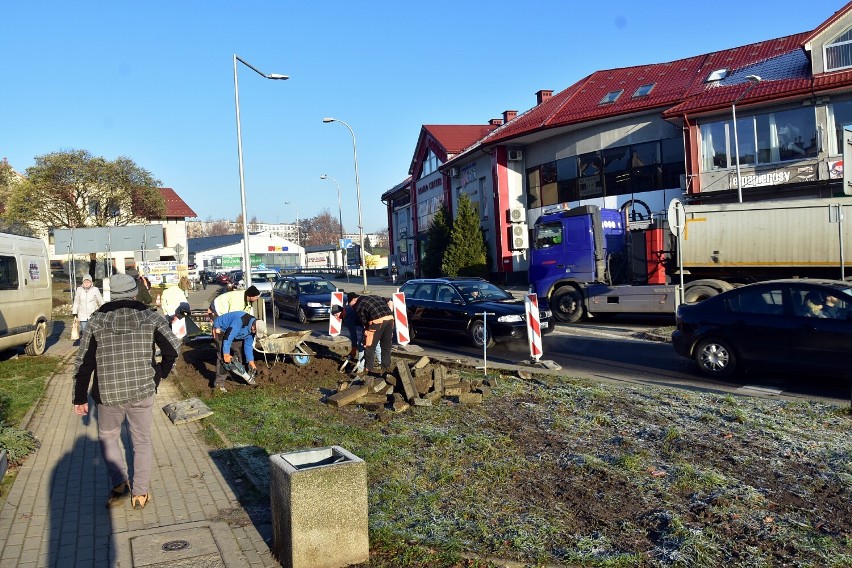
<point x="319" y="508"/>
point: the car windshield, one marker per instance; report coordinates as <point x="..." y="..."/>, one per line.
<point x="318" y="287"/>
<point x="263" y="277"/>
<point x="483" y="291"/>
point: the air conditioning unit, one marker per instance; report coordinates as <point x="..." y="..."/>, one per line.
<point x="517" y="214"/>
<point x="520" y="237"/>
<point x="454" y="172"/>
<point x="516" y="155"/>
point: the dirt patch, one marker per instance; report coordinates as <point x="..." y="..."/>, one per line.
<point x="198" y="370"/>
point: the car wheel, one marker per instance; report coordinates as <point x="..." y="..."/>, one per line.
<point x="716" y="358"/>
<point x="301" y="316"/>
<point x="476" y="332"/>
<point x="567" y="304"/>
<point x="276" y="313"/>
<point x="39" y="342"/>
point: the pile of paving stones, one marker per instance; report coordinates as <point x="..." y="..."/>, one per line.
<point x="421" y="383"/>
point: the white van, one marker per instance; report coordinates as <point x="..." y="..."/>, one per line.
<point x="26" y="294"/>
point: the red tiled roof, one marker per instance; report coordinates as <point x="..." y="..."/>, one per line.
<point x="175" y="206"/>
<point x="452" y="138"/>
<point x="456" y="137"/>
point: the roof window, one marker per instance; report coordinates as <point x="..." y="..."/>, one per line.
<point x="717" y="75"/>
<point x="611" y="97"/>
<point x="643" y="90"/>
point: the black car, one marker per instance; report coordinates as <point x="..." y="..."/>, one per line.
<point x="801" y="323"/>
<point x="304" y="298"/>
<point x="456" y="306"/>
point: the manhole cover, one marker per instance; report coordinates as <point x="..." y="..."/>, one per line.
<point x="174" y="545"/>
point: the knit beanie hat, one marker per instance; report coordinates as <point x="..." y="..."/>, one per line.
<point x="122" y="287"/>
<point x="252" y="291"/>
<point x="87" y="277"/>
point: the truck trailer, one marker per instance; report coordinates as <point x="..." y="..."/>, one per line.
<point x="589" y="261"/>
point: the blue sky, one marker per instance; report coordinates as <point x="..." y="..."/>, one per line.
<point x="154" y="81"/>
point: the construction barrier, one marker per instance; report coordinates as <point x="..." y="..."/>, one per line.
<point x="335" y="321"/>
<point x="400" y="319"/>
<point x="533" y="326"/>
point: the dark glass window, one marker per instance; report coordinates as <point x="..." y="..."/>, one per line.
<point x="8" y="273"/>
<point x="566" y="174"/>
<point x="533" y="188"/>
<point x="549" y="193"/>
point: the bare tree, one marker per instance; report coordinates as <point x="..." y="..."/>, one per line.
<point x="324" y="229"/>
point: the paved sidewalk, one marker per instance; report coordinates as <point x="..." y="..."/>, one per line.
<point x="55" y="513"/>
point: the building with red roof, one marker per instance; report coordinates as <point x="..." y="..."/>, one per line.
<point x="637" y="137"/>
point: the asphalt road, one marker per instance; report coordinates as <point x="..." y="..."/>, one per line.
<point x="618" y="350"/>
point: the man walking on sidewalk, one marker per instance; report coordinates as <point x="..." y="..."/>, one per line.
<point x="117" y="349"/>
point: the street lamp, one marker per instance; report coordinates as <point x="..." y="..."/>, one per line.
<point x="339" y="208"/>
<point x="298" y="232"/>
<point x="246" y="252"/>
<point x="358" y="193"/>
<point x="754" y="79"/>
<point x="340" y="221"/>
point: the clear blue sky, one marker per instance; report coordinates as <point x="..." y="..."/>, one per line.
<point x="154" y="81"/>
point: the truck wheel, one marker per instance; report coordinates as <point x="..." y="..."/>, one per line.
<point x="567" y="304"/>
<point x="698" y="293"/>
<point x="715" y="358"/>
<point x="39" y="342"/>
<point x="476" y="331"/>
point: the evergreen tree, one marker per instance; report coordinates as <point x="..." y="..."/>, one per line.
<point x="467" y="253"/>
<point x="437" y="241"/>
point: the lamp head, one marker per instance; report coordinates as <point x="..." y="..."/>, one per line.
<point x="755" y="78"/>
<point x="277" y="76"/>
<point x="328" y="119"/>
<point x="323" y="176"/>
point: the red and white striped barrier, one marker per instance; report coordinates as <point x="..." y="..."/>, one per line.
<point x="533" y="326"/>
<point x="400" y="319"/>
<point x="335" y="321"/>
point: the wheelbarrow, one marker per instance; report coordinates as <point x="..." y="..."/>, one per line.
<point x="290" y="344"/>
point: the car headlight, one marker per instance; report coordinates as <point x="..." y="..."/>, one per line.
<point x="314" y="304"/>
<point x="510" y="318"/>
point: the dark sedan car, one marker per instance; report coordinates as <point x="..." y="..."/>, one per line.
<point x="304" y="298"/>
<point x="802" y="323"/>
<point x="455" y="306"/>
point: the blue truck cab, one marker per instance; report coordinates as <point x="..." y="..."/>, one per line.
<point x="586" y="262"/>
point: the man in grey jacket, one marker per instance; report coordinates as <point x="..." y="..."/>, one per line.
<point x="117" y="350"/>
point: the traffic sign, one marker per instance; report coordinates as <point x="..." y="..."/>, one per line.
<point x="677" y="217"/>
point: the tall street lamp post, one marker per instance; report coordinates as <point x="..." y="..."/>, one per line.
<point x="754" y="79"/>
<point x="340" y="222"/>
<point x="246" y="250"/>
<point x="358" y="193"/>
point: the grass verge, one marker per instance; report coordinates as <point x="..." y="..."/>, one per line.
<point x="560" y="471"/>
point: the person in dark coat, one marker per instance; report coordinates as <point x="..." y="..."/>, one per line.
<point x="376" y="316"/>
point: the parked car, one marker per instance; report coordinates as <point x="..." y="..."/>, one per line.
<point x="455" y="306"/>
<point x="304" y="298"/>
<point x="780" y="323"/>
<point x="263" y="280"/>
<point x="222" y="278"/>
